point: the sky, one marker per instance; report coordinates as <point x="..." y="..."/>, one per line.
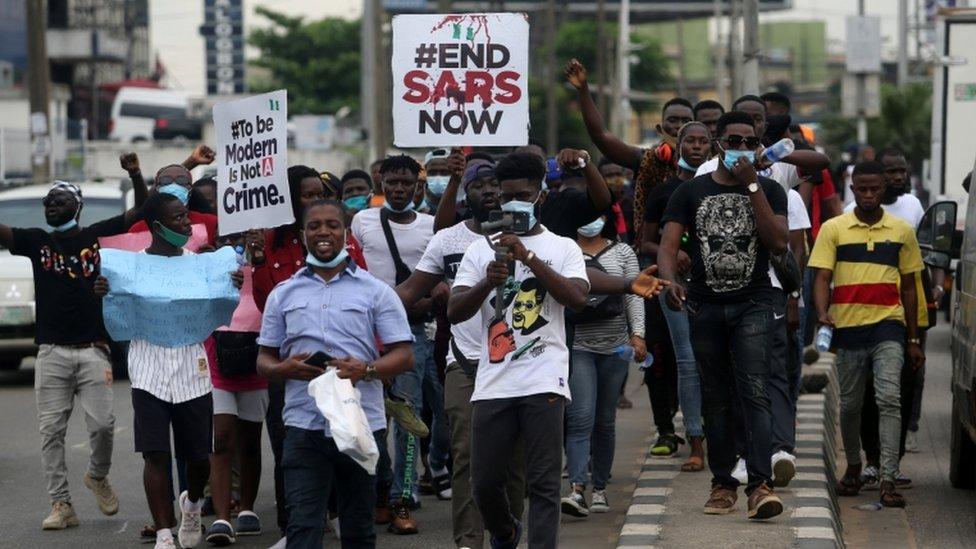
<point x="174" y="27"/>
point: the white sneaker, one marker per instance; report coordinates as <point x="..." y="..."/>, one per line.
<point x="911" y="442"/>
<point x="869" y="478"/>
<point x="190" y="526"/>
<point x="164" y="540"/>
<point x="739" y="473"/>
<point x="575" y="505"/>
<point x="282" y="544"/>
<point x="598" y="503"/>
<point x="784" y="468"/>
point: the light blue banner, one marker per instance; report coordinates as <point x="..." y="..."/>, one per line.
<point x="168" y="301"/>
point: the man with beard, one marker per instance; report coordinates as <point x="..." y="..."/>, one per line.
<point x="736" y="219"/>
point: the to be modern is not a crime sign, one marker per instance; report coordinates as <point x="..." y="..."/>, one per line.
<point x="460" y="79"/>
<point x="252" y="163"/>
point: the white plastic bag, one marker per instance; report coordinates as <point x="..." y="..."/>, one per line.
<point x="338" y="401"/>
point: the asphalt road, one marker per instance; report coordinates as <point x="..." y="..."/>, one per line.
<point x="24" y="502"/>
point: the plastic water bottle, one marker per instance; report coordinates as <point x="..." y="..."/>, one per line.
<point x="625" y="352"/>
<point x="779" y="150"/>
<point x="824" y="335"/>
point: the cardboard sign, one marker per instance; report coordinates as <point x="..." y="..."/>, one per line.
<point x="461" y="80"/>
<point x="252" y="163"/>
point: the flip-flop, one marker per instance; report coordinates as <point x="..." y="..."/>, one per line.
<point x="693" y="464"/>
<point x="849" y="486"/>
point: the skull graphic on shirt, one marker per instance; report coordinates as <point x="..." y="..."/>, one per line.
<point x="726" y="229"/>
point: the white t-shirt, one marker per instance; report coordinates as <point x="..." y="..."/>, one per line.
<point x="906" y="207"/>
<point x="525" y="353"/>
<point x="780" y="172"/>
<point x="411" y="241"/>
<point x="796" y="220"/>
<point x="443" y="258"/>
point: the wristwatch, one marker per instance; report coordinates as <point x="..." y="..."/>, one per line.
<point x="370" y="374"/>
<point x="753" y="187"/>
<point x="529" y="257"/>
<point x="584" y="158"/>
<point x="915" y="340"/>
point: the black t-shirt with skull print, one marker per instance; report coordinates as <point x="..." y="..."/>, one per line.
<point x="728" y="260"/>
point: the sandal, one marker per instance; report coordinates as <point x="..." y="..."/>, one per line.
<point x="666" y="445"/>
<point x="889" y="497"/>
<point x="693" y="464"/>
<point x="849" y="486"/>
<point x="148" y="534"/>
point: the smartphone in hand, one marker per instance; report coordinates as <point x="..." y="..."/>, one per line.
<point x="319" y="360"/>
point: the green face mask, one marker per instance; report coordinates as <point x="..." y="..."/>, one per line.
<point x="173" y="237"/>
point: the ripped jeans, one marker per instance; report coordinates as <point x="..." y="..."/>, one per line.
<point x="733" y="344"/>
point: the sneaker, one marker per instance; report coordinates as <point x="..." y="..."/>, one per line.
<point x="598" y="503"/>
<point x="740" y="473"/>
<point x="442" y="487"/>
<point x="784" y="468"/>
<point x="402" y="524"/>
<point x="221" y="534"/>
<point x="869" y="478"/>
<point x="721" y="501"/>
<point x="281" y="544"/>
<point x="248" y="524"/>
<point x="403" y="414"/>
<point x="810" y="355"/>
<point x="512" y="543"/>
<point x="574" y="504"/>
<point x="911" y="442"/>
<point x="666" y="445"/>
<point x="62" y="516"/>
<point x="108" y="502"/>
<point x="763" y="503"/>
<point x="189" y="533"/>
<point x="902" y="482"/>
<point x="165" y="541"/>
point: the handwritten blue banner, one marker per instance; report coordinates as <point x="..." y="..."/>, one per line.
<point x="168" y="301"/>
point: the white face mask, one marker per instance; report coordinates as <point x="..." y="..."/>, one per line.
<point x="592" y="228"/>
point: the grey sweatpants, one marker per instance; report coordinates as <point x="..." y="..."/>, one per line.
<point x="60" y="374"/>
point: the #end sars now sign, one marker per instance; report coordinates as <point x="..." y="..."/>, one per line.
<point x="460" y="79"/>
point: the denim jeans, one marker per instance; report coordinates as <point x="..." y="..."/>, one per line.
<point x="885" y="360"/>
<point x="689" y="380"/>
<point x="591" y="416"/>
<point x="733" y="344"/>
<point x="312" y="467"/>
<point x="412" y="386"/>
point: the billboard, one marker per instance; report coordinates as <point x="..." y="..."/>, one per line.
<point x="223" y="33"/>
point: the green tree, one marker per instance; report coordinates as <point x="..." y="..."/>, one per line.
<point x="316" y="61"/>
<point x="905" y="122"/>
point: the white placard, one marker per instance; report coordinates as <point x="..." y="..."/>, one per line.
<point x="863" y="38"/>
<point x="460" y="80"/>
<point x="252" y="163"/>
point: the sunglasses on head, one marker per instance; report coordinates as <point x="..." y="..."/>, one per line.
<point x="735" y="141"/>
<point x="180" y="180"/>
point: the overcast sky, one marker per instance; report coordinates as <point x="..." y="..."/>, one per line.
<point x="174" y="27"/>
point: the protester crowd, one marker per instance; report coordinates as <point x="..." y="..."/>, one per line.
<point x="488" y="308"/>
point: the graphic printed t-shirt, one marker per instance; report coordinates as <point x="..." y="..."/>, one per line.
<point x="411" y="241"/>
<point x="728" y="259"/>
<point x="443" y="258"/>
<point x="525" y="352"/>
<point x="68" y="312"/>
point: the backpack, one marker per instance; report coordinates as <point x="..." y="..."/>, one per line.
<point x="599" y="307"/>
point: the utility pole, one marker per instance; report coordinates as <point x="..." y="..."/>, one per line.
<point x="862" y="119"/>
<point x="367" y="71"/>
<point x="721" y="69"/>
<point x="375" y="90"/>
<point x="750" y="53"/>
<point x="621" y="98"/>
<point x="902" y="42"/>
<point x="682" y="68"/>
<point x="602" y="61"/>
<point x="552" y="120"/>
<point x="38" y="83"/>
<point x="735" y="48"/>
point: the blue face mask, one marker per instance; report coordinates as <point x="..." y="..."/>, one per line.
<point x="357" y="202"/>
<point x="66" y="227"/>
<point x="592" y="228"/>
<point x="522" y="206"/>
<point x="424" y="206"/>
<point x="731" y="157"/>
<point x="408" y="208"/>
<point x="684" y="165"/>
<point x="437" y="184"/>
<point x="339" y="258"/>
<point x="178" y="191"/>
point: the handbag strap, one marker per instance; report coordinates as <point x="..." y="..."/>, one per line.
<point x="402" y="271"/>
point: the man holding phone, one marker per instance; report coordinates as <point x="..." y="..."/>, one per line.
<point x="336" y="309"/>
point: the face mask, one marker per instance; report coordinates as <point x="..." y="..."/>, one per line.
<point x="593" y="228"/>
<point x="408" y="208"/>
<point x="522" y="206"/>
<point x="173" y="237"/>
<point x="731" y="157"/>
<point x="178" y="191"/>
<point x="424" y="206"/>
<point x="356" y="202"/>
<point x="684" y="165"/>
<point x="437" y="184"/>
<point x="66" y="227"/>
<point x="339" y="258"/>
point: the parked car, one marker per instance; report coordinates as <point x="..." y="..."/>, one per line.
<point x="136" y="110"/>
<point x="21" y="207"/>
<point x="177" y="126"/>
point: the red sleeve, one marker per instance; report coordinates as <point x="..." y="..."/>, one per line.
<point x="355" y="251"/>
<point x="139" y="227"/>
<point x="827" y="188"/>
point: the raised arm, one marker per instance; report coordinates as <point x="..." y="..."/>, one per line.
<point x="447" y="209"/>
<point x="772" y="227"/>
<point x="596" y="186"/>
<point x="130" y="163"/>
<point x="611" y="147"/>
<point x="202" y="155"/>
<point x="808" y="160"/>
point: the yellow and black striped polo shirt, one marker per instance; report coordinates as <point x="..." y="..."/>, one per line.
<point x="867" y="263"/>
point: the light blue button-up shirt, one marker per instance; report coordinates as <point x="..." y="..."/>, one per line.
<point x="343" y="317"/>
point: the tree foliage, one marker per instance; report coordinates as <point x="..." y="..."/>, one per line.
<point x="316" y="61"/>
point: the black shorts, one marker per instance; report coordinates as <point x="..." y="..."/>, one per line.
<point x="192" y="423"/>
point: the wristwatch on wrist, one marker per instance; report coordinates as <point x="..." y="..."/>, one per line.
<point x="753" y="187"/>
<point x="584" y="158"/>
<point x="370" y="374"/>
<point x="529" y="257"/>
<point x="915" y="340"/>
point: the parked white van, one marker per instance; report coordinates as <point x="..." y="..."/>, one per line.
<point x="135" y="111"/>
